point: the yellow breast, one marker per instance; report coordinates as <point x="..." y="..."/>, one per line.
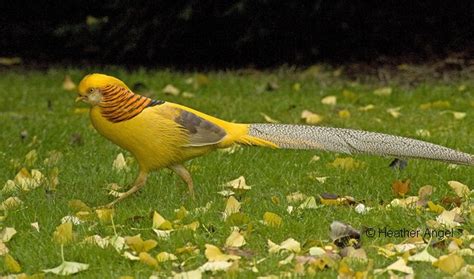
<point x="154" y="140"/>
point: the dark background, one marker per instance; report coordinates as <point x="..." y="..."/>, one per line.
<point x="228" y="34"/>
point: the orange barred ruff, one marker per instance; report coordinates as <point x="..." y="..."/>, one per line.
<point x="120" y="104"/>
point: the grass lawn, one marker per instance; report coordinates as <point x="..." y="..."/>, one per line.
<point x="36" y="113"/>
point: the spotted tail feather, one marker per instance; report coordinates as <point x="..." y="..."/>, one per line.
<point x="354" y="141"/>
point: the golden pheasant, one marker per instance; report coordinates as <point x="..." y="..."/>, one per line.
<point x="164" y="135"/>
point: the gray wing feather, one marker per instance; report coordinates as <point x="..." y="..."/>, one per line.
<point x="201" y="132"/>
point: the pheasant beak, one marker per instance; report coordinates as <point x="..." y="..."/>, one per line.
<point x="80" y="98"/>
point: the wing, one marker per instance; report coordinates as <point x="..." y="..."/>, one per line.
<point x="200" y="131"/>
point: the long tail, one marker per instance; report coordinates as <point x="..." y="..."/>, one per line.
<point x="350" y="141"/>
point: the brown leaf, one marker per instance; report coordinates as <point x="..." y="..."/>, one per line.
<point x="400" y="188"/>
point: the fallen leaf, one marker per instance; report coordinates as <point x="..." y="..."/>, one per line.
<point x="460" y="189"/>
<point x="71" y="219"/>
<point x="214" y="254"/>
<point x="7" y="234"/>
<point x="63" y="234"/>
<point x="344" y="114"/>
<point x="287" y="260"/>
<point x="400" y="265"/>
<point x="425" y="192"/>
<point x="449" y="263"/>
<point x="120" y="164"/>
<point x="161" y="223"/>
<point x="165" y="256"/>
<point x="193" y="274"/>
<point x="367" y="107"/>
<point x="10" y="61"/>
<point x="295" y="197"/>
<point x="235" y="239"/>
<point x="311" y="118"/>
<point x="400" y="188"/>
<point x="68" y="84"/>
<point x="347" y="163"/>
<point x="31" y="158"/>
<point x="187" y="95"/>
<point x="272" y="219"/>
<point x="147" y="259"/>
<point x="35" y="226"/>
<point x="296" y="86"/>
<point x="137" y="244"/>
<point x="423" y="133"/>
<point x="171" y="90"/>
<point x="11" y="265"/>
<point x="232" y="206"/>
<point x="238" y="184"/>
<point x="362" y="209"/>
<point x="97" y="240"/>
<point x="268" y="118"/>
<point x="329" y="100"/>
<point x="215" y="266"/>
<point x="423" y="256"/>
<point x="459" y="115"/>
<point x="394" y="112"/>
<point x="447" y="218"/>
<point x="105" y="215"/>
<point x="309" y="203"/>
<point x="67" y="268"/>
<point x="288" y="245"/>
<point x="383" y="91"/>
<point x="3" y="249"/>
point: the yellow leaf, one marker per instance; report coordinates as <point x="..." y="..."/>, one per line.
<point x="105" y="215"/>
<point x="235" y="239"/>
<point x="449" y="263"/>
<point x="271" y="219"/>
<point x="120" y="164"/>
<point x="214" y="254"/>
<point x="78" y="205"/>
<point x="193" y="274"/>
<point x="367" y="107"/>
<point x="423" y="256"/>
<point x="11" y="203"/>
<point x="68" y="84"/>
<point x="192" y="226"/>
<point x="383" y="91"/>
<point x="295" y="197"/>
<point x="159" y="222"/>
<point x="187" y="95"/>
<point x="311" y="117"/>
<point x="63" y="233"/>
<point x="394" y="112"/>
<point x="344" y="114"/>
<point x="289" y="245"/>
<point x="67" y="268"/>
<point x="10" y="61"/>
<point x="460" y="189"/>
<point x="147" y="259"/>
<point x="165" y="256"/>
<point x="309" y="203"/>
<point x="329" y="100"/>
<point x="11" y="265"/>
<point x="171" y="90"/>
<point x="7" y="234"/>
<point x="296" y="86"/>
<point x="3" y="249"/>
<point x="181" y="213"/>
<point x="346" y="163"/>
<point x="238" y="184"/>
<point x="349" y="95"/>
<point x="459" y="115"/>
<point x="268" y="118"/>
<point x="31" y="157"/>
<point x="232" y="206"/>
<point x="137" y="244"/>
<point x="435" y="207"/>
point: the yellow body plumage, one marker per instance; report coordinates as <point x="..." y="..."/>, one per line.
<point x="163" y="134"/>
